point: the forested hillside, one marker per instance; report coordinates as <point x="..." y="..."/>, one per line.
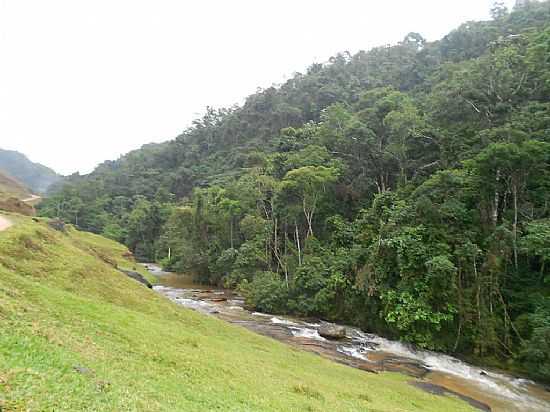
<point x="404" y="189"/>
<point x="35" y="176"/>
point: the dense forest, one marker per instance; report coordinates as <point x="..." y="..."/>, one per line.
<point x="405" y="190"/>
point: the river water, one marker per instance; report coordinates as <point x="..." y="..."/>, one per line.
<point x="437" y="373"/>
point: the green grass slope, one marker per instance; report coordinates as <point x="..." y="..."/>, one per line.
<point x="77" y="335"/>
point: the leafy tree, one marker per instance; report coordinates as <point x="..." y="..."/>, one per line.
<point x="309" y="184"/>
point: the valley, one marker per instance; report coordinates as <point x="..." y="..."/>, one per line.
<point x="77" y="334"/>
<point x="369" y="230"/>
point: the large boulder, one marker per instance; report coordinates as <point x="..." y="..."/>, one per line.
<point x="332" y="331"/>
<point x="137" y="276"/>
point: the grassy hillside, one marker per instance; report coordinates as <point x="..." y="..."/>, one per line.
<point x="76" y="334"/>
<point x="9" y="187"/>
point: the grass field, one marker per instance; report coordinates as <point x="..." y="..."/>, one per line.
<point x="77" y="335"/>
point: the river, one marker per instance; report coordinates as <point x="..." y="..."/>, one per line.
<point x="438" y="373"/>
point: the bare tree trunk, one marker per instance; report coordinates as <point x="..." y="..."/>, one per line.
<point x="515" y="225"/>
<point x="460" y="304"/>
<point x="280" y="263"/>
<point x="309" y="217"/>
<point x="231" y="230"/>
<point x="478" y="291"/>
<point x="496" y="200"/>
<point x="382" y="187"/>
<point x="297" y="238"/>
<point x="276" y="245"/>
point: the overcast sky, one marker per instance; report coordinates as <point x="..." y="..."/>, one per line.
<point x="85" y="81"/>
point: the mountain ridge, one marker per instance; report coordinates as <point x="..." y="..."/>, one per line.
<point x="35" y="176"/>
<point x="10" y="187"/>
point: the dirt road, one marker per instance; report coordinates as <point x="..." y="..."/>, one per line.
<point x="33" y="200"/>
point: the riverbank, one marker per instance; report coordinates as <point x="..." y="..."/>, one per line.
<point x="435" y="372"/>
<point x="77" y="334"/>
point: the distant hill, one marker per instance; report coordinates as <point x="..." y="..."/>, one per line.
<point x="13" y="194"/>
<point x="9" y="187"/>
<point x="35" y="176"/>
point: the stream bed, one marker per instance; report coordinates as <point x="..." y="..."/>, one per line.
<point x="437" y="373"/>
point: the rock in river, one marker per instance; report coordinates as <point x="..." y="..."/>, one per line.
<point x="332" y="331"/>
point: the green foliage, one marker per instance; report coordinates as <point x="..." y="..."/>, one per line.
<point x="404" y="190"/>
<point x="414" y="318"/>
<point x="536" y="351"/>
<point x="266" y="292"/>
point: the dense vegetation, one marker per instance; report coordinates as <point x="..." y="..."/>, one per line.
<point x="404" y="189"/>
<point x="78" y="335"/>
<point x="35" y="176"/>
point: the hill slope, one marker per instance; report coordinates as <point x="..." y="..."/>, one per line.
<point x="76" y="334"/>
<point x="34" y="175"/>
<point x="9" y="187"/>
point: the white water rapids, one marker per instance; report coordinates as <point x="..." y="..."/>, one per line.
<point x="501" y="391"/>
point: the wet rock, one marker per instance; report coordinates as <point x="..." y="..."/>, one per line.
<point x="407" y="366"/>
<point x="332" y="331"/>
<point x="202" y="296"/>
<point x="137" y="276"/>
<point x="366" y="345"/>
<point x="441" y="391"/>
<point x="368" y="368"/>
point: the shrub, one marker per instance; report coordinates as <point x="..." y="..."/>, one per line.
<point x="267" y="292"/>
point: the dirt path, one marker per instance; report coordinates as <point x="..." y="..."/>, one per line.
<point x="32" y="200"/>
<point x="4" y="223"/>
